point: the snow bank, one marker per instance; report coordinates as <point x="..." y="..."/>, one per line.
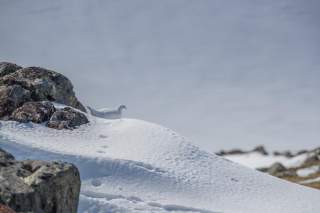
<point x="130" y="165"/>
<point x="256" y="160"/>
<point x="305" y="172"/>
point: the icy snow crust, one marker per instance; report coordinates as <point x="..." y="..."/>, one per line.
<point x="129" y="165"/>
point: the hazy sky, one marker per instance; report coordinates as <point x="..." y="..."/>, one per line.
<point x="223" y="73"/>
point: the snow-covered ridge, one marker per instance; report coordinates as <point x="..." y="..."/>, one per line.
<point x="256" y="160"/>
<point x="260" y="158"/>
<point x="130" y="165"/>
<point x="302" y="167"/>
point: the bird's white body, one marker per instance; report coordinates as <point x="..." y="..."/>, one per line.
<point x="107" y="113"/>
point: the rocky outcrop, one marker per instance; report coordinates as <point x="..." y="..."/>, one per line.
<point x="258" y="149"/>
<point x="67" y="118"/>
<point x="276" y="168"/>
<point x="37" y="186"/>
<point x="36" y="112"/>
<point x="287" y="154"/>
<point x="44" y="85"/>
<point x="230" y="152"/>
<point x="12" y="97"/>
<point x="25" y="94"/>
<point x="312" y="159"/>
<point x="297" y="161"/>
<point x="7" y="68"/>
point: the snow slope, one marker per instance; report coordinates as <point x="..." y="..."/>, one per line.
<point x="207" y="68"/>
<point x="129" y="165"/>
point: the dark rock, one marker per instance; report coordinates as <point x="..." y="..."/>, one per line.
<point x="7" y="68"/>
<point x="311" y="160"/>
<point x="261" y="150"/>
<point x="36" y="112"/>
<point x="44" y="85"/>
<point x="12" y="97"/>
<point x="276" y="168"/>
<point x="276" y="153"/>
<point x="286" y="154"/>
<point x="58" y="186"/>
<point x="262" y="169"/>
<point x="221" y="153"/>
<point x="301" y="152"/>
<point x="25" y="94"/>
<point x="5" y="156"/>
<point x="288" y="173"/>
<point x="67" y="118"/>
<point x="316" y="151"/>
<point x="38" y="186"/>
<point x="231" y="152"/>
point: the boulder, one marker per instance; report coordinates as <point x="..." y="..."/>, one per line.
<point x="316" y="151"/>
<point x="38" y="186"/>
<point x="44" y="85"/>
<point x="286" y="154"/>
<point x="67" y="118"/>
<point x="36" y="112"/>
<point x="276" y="168"/>
<point x="26" y="93"/>
<point x="312" y="159"/>
<point x="261" y="150"/>
<point x="7" y="68"/>
<point x="231" y="152"/>
<point x="301" y="152"/>
<point x="12" y="97"/>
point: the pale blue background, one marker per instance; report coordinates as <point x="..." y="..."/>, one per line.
<point x="223" y="73"/>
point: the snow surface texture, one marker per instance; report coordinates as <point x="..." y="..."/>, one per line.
<point x="236" y="72"/>
<point x="129" y="165"/>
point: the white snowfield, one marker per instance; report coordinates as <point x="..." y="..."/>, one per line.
<point x="129" y="165"/>
<point x="305" y="172"/>
<point x="256" y="160"/>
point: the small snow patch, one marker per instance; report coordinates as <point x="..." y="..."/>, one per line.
<point x="305" y="172"/>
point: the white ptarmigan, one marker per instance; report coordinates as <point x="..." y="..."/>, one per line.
<point x="107" y="113"/>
